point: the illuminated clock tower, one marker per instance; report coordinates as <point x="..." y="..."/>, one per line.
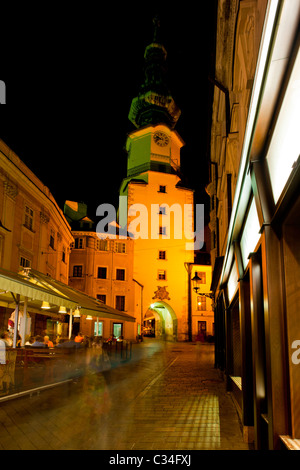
<point x="159" y="209"/>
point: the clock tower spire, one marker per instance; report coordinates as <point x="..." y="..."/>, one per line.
<point x="154" y="205"/>
<point x="154" y="145"/>
<point x="154" y="103"/>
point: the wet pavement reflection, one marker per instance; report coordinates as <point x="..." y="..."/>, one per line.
<point x="169" y="396"/>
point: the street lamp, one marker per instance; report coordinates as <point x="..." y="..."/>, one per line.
<point x="196" y="281"/>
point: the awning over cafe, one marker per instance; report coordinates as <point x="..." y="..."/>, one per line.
<point x="36" y="288"/>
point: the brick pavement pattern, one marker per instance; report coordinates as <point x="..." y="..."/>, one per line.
<point x="169" y="397"/>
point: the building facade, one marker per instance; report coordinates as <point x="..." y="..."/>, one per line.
<point x="254" y="193"/>
<point x="102" y="267"/>
<point x="33" y="230"/>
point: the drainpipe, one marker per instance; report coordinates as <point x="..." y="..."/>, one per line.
<point x="215" y="164"/>
<point x="188" y="267"/>
<point x="142" y="287"/>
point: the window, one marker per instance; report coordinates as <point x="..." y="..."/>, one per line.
<point x="162" y="255"/>
<point x="102" y="273"/>
<point x="162" y="210"/>
<point x="120" y="275"/>
<point x="78" y="243"/>
<point x="52" y="238"/>
<point x="77" y="271"/>
<point x="162" y="189"/>
<point x="162" y="230"/>
<point x="24" y="262"/>
<point x="120" y="302"/>
<point x="285" y="135"/>
<point x="250" y="234"/>
<point x="201" y="302"/>
<point x="117" y="330"/>
<point x="102" y="298"/>
<point x="28" y="219"/>
<point x="102" y="245"/>
<point x="63" y="255"/>
<point x="162" y="274"/>
<point x="120" y="247"/>
<point x="234" y="334"/>
<point x="202" y="277"/>
<point x="98" y="332"/>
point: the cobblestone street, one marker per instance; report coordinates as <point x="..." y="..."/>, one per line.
<point x="169" y="397"/>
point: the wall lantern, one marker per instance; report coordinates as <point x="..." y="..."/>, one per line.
<point x="62" y="309"/>
<point x="89" y="317"/>
<point x="196" y="281"/>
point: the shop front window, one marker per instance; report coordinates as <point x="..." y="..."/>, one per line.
<point x="117" y="330"/>
<point x="283" y="152"/>
<point x="235" y="350"/>
<point x="98" y="328"/>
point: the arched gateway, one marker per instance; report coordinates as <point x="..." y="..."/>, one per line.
<point x="165" y="320"/>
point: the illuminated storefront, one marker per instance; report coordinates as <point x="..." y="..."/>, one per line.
<point x="256" y="282"/>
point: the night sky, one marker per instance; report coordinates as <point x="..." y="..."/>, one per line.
<point x="71" y="75"/>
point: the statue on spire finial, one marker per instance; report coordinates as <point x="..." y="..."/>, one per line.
<point x="156" y="23"/>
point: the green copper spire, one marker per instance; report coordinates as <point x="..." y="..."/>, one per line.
<point x="154" y="103"/>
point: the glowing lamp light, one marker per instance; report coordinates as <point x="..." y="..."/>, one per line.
<point x="89" y="317"/>
<point x="76" y="313"/>
<point x="62" y="309"/>
<point x="45" y="306"/>
<point x="251" y="234"/>
<point x="283" y="152"/>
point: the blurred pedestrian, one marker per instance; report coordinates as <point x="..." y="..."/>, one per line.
<point x="39" y="342"/>
<point x="4" y="336"/>
<point x="69" y="343"/>
<point x="48" y="342"/>
<point x="29" y="340"/>
<point x="79" y="338"/>
<point x="4" y="343"/>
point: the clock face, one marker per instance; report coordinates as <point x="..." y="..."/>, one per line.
<point x="161" y="139"/>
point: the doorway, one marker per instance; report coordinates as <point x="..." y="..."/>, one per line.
<point x="201" y="335"/>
